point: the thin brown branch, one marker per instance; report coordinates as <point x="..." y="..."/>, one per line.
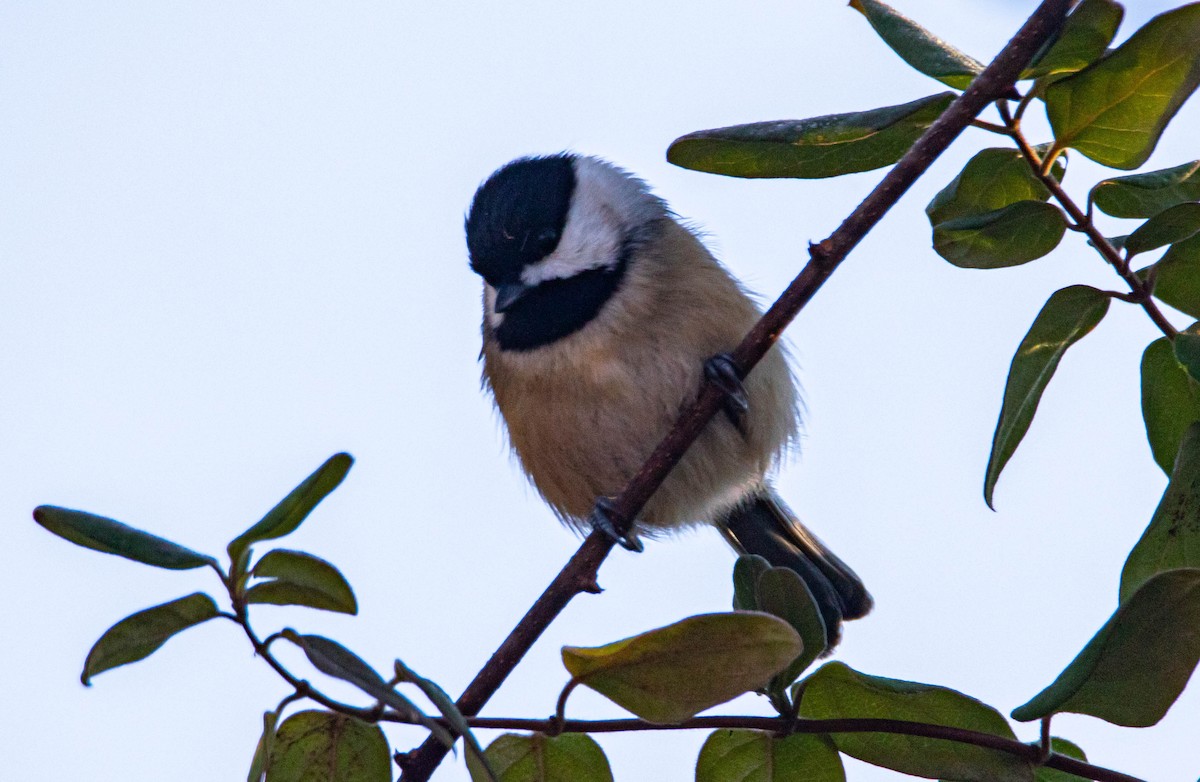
<point x="1084" y="223"/>
<point x="1033" y="753"/>
<point x="825" y="256"/>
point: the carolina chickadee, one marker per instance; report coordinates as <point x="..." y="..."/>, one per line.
<point x="601" y="313"/>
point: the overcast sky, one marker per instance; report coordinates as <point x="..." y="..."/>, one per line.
<point x="231" y="242"/>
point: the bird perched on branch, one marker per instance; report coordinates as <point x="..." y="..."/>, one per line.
<point x="601" y="316"/>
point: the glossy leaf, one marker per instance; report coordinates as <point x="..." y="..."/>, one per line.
<point x="1085" y="36"/>
<point x="1066" y="317"/>
<point x="1173" y="538"/>
<point x="301" y="579"/>
<point x="1170" y="401"/>
<point x="1115" y="110"/>
<point x="285" y="517"/>
<point x="113" y="537"/>
<point x="320" y="746"/>
<point x="1137" y="665"/>
<point x="672" y="673"/>
<point x="759" y="756"/>
<point x="782" y="593"/>
<point x="570" y="757"/>
<point x="918" y="47"/>
<point x="1060" y="747"/>
<point x="139" y="635"/>
<point x="993" y="178"/>
<point x="746" y="572"/>
<point x="1145" y="195"/>
<point x="262" y="751"/>
<point x="837" y="691"/>
<point x="812" y="148"/>
<point x="1010" y="236"/>
<point x="1167" y="227"/>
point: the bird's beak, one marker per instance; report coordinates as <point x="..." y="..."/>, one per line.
<point x="509" y="294"/>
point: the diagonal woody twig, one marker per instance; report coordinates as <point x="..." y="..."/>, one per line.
<point x="579" y="574"/>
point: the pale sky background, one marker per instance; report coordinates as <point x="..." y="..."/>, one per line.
<point x="231" y="242"/>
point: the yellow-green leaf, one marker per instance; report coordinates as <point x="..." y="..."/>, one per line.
<point x="672" y="673"/>
<point x="1171" y="225"/>
<point x="1084" y="37"/>
<point x="320" y="746"/>
<point x="571" y="757"/>
<point x="759" y="756"/>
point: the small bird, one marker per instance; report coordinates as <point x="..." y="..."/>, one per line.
<point x="602" y="313"/>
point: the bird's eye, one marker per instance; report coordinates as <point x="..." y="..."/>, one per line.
<point x="547" y="239"/>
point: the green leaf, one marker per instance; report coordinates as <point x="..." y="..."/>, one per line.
<point x="759" y="756"/>
<point x="1084" y="38"/>
<point x="320" y="746"/>
<point x="1137" y="665"/>
<point x="1115" y="110"/>
<point x="1170" y="401"/>
<point x="571" y="757"/>
<point x="782" y="593"/>
<point x="330" y="657"/>
<point x="1173" y="538"/>
<point x="1066" y="317"/>
<point x="992" y="179"/>
<point x="1187" y="351"/>
<point x="1010" y="236"/>
<point x="139" y="635"/>
<point x="113" y="537"/>
<point x="918" y="47"/>
<point x="746" y="572"/>
<point x="672" y="673"/>
<point x="285" y="517"/>
<point x="1167" y="227"/>
<point x="262" y="751"/>
<point x="837" y="691"/>
<point x="301" y="579"/>
<point x="1177" y="276"/>
<point x="448" y="708"/>
<point x="810" y="148"/>
<point x="1060" y="747"/>
<point x="1145" y="195"/>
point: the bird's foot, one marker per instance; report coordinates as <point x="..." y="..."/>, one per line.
<point x="722" y="372"/>
<point x="606" y="520"/>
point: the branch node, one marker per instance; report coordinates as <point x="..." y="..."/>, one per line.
<point x="821" y="253"/>
<point x="589" y="584"/>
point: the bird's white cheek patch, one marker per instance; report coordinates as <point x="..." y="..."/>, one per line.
<point x="489" y="307"/>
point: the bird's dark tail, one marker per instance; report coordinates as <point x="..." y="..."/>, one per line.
<point x="765" y="526"/>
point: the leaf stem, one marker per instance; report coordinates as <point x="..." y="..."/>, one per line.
<point x="1084" y="221"/>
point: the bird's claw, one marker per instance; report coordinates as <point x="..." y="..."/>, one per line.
<point x="605" y="520"/>
<point x="722" y="372"/>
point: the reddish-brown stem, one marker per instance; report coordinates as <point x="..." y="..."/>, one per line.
<point x="1083" y="223"/>
<point x="824" y="257"/>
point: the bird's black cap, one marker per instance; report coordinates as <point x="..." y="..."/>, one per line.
<point x="518" y="214"/>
